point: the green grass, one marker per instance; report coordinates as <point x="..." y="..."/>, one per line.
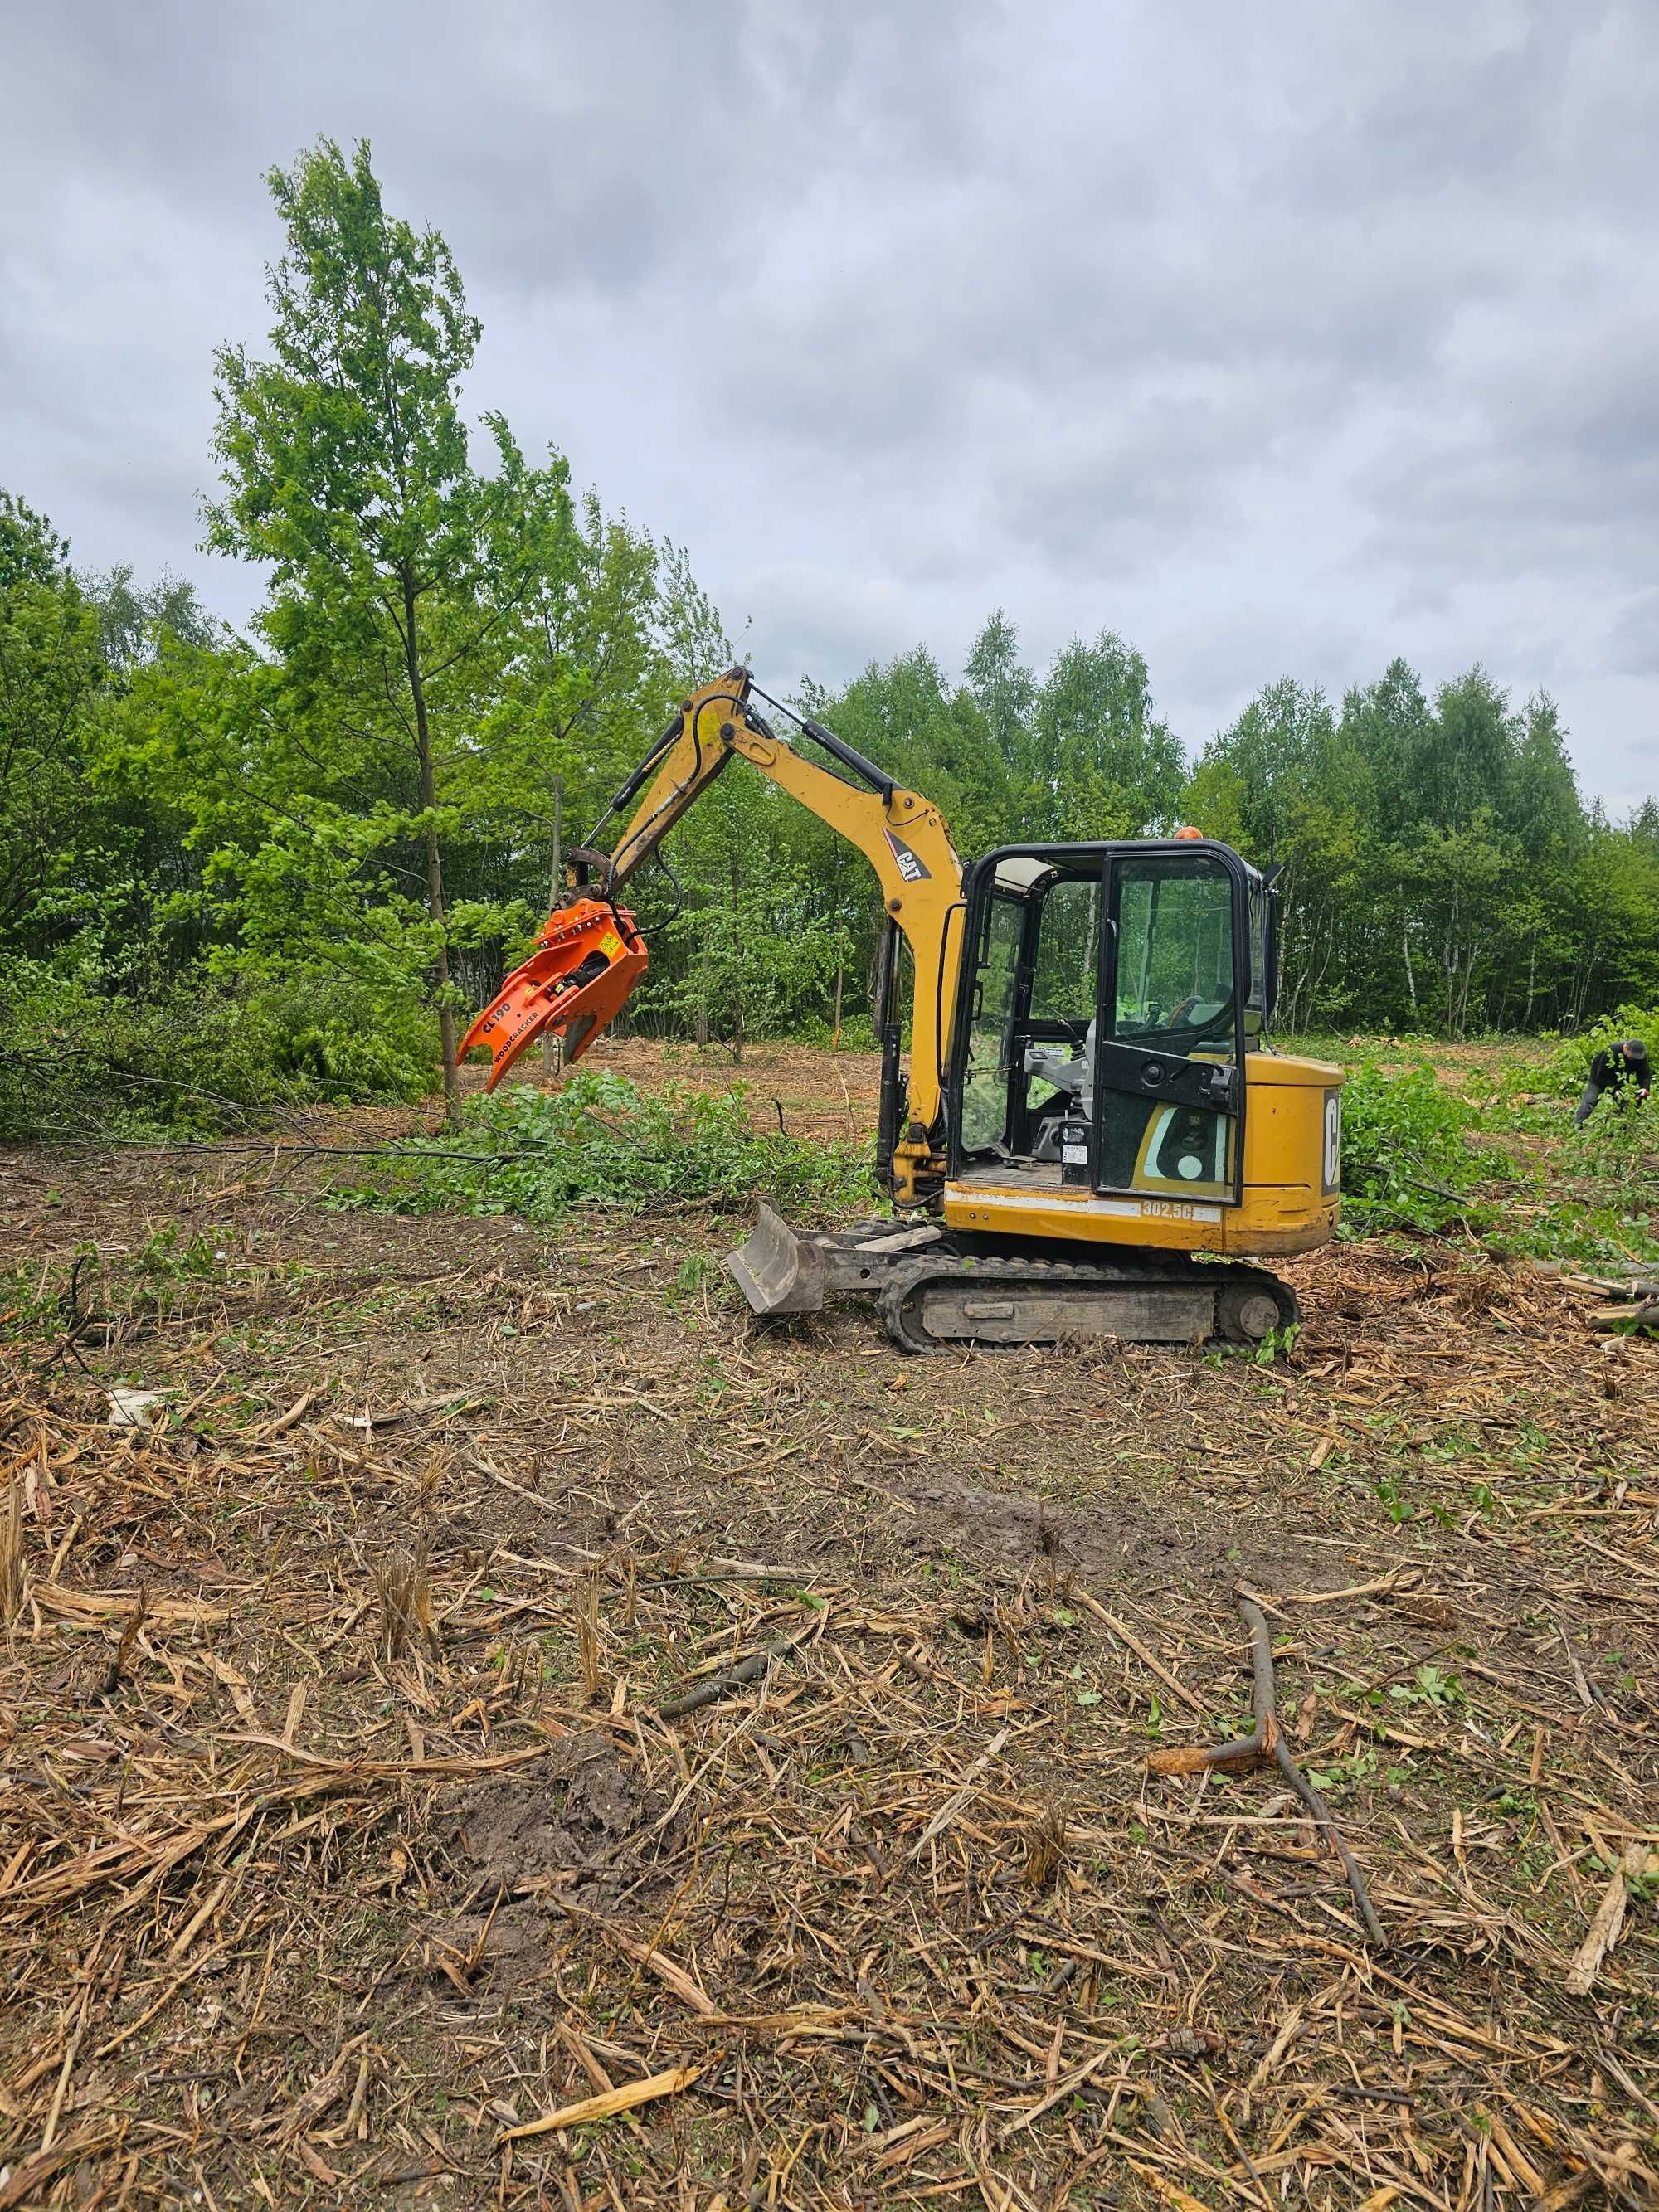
<point x="1490" y="1148"/>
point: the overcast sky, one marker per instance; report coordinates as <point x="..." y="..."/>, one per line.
<point x="1281" y="338"/>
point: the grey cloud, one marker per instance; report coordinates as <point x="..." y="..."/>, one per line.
<point x="1280" y="338"/>
<point x="1110" y="490"/>
<point x="1634" y="637"/>
<point x="1559" y="473"/>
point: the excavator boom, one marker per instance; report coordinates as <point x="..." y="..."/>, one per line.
<point x="590" y="956"/>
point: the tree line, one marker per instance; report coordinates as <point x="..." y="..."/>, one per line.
<point x="287" y="859"/>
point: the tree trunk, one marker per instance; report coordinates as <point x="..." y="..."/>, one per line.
<point x="552" y="1045"/>
<point x="1468" y="983"/>
<point x="1411" y="975"/>
<point x="434" y="860"/>
<point x="835" y="1041"/>
<point x="736" y="968"/>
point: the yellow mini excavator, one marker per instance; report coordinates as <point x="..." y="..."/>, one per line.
<point x="1092" y="1132"/>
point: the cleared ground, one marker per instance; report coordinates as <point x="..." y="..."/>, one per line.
<point x="346" y="1826"/>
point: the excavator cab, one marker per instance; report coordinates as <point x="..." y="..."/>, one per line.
<point x="1109" y="995"/>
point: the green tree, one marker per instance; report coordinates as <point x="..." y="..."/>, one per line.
<point x="1005" y="690"/>
<point x="1107" y="765"/>
<point x="585" y="670"/>
<point x="50" y="669"/>
<point x="1281" y="785"/>
<point x="1278" y="748"/>
<point x="396" y="568"/>
<point x="137" y="622"/>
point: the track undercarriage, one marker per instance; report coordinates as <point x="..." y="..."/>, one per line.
<point x="938" y="1291"/>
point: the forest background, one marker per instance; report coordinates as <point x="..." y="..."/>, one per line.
<point x="246" y="868"/>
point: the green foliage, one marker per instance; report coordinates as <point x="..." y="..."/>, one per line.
<point x="598" y="1141"/>
<point x="338" y="1041"/>
<point x="1567" y="1069"/>
<point x="167" y="1256"/>
<point x="139" y="623"/>
<point x="50" y="669"/>
<point x="1407" y="1163"/>
<point x="357" y="803"/>
<point x="354" y="808"/>
<point x="1441" y="872"/>
<point x="1607" y="1205"/>
<point x="1278" y="1344"/>
<point x="193" y="1058"/>
<point x="1106" y="764"/>
<point x="741" y="964"/>
<point x="1392" y="1498"/>
<point x="1344" y="1776"/>
<point x="399" y="575"/>
<point x="858" y="1033"/>
<point x="1430" y="1685"/>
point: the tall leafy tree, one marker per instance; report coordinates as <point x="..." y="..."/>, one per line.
<point x="1281" y="785"/>
<point x="396" y="568"/>
<point x="1005" y="690"/>
<point x="1107" y="764"/>
<point x="137" y="622"/>
<point x="1278" y="749"/>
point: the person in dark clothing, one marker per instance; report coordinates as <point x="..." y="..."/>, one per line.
<point x="1618" y="1068"/>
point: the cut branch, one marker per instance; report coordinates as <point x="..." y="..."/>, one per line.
<point x="1265" y="1745"/>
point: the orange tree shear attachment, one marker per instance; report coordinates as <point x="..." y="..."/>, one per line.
<point x="588" y="958"/>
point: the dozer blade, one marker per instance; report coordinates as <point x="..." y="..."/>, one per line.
<point x="778" y="1271"/>
<point x="587" y="959"/>
<point x="781" y="1270"/>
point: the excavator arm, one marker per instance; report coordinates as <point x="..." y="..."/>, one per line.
<point x="590" y="956"/>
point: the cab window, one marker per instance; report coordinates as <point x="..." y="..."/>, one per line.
<point x="987" y="1069"/>
<point x="1175" y="956"/>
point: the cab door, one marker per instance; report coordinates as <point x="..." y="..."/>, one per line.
<point x="1175" y="979"/>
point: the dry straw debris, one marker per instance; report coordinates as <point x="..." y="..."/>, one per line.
<point x="669" y="1766"/>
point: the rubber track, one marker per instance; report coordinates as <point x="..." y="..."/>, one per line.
<point x="910" y="1277"/>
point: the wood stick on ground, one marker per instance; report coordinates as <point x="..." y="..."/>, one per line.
<point x="610" y="2101"/>
<point x="1267" y="1742"/>
<point x="735" y="1678"/>
<point x="11" y="1552"/>
<point x="1605" y="1928"/>
<point x="136" y="1620"/>
<point x="1329" y="1597"/>
<point x="1149" y="1659"/>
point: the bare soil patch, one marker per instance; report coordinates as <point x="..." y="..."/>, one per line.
<point x="306" y="1903"/>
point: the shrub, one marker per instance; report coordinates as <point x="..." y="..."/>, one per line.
<point x="1407" y="1163"/>
<point x="599" y="1141"/>
<point x="858" y="1033"/>
<point x="196" y="1059"/>
<point x="336" y="1040"/>
<point x="1567" y="1069"/>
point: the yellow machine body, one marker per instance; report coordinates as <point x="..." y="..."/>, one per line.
<point x="1292" y="1156"/>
